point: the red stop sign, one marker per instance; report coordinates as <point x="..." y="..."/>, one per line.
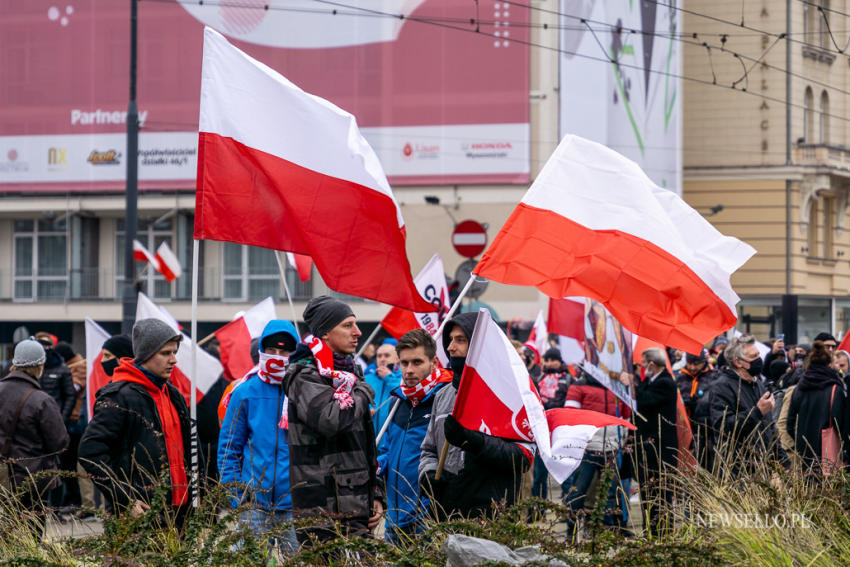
<point x="469" y="238"/>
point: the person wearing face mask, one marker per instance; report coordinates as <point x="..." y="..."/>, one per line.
<point x="479" y="469"/>
<point x="113" y="350"/>
<point x="253" y="455"/>
<point x="741" y="407"/>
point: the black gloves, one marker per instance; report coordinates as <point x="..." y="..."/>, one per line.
<point x="459" y="436"/>
<point x="434" y="489"/>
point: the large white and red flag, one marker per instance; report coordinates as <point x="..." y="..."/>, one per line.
<point x="234" y="339"/>
<point x="538" y="338"/>
<point x="287" y="170"/>
<point x="496" y="396"/>
<point x="301" y="264"/>
<point x="209" y="369"/>
<point x="594" y="225"/>
<point x="96" y="376"/>
<point x="431" y="284"/>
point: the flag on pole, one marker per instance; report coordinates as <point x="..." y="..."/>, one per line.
<point x="496" y="396"/>
<point x="299" y="169"/>
<point x="167" y="263"/>
<point x="142" y="254"/>
<point x="209" y="369"/>
<point x="431" y="284"/>
<point x="538" y="338"/>
<point x="234" y="339"/>
<point x="594" y="225"/>
<point x="301" y="264"/>
<point x="96" y="376"/>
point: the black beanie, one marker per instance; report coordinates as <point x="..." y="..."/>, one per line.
<point x="64" y="350"/>
<point x="323" y="313"/>
<point x="553" y="354"/>
<point x="282" y="340"/>
<point x="119" y="345"/>
<point x="825" y="337"/>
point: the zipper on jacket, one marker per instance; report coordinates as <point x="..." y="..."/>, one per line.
<point x="276" y="438"/>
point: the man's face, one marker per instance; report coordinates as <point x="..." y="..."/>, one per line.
<point x="751" y="354"/>
<point x="343" y="338"/>
<point x="106" y="356"/>
<point x="458" y="342"/>
<point x="415" y="365"/>
<point x="164" y="361"/>
<point x="369" y="351"/>
<point x="386" y="355"/>
<point x="648" y="366"/>
<point x="830" y="345"/>
<point x="694" y="368"/>
<point x="798" y="350"/>
<point x="551" y="364"/>
<point x="842" y="363"/>
<point x="277" y="351"/>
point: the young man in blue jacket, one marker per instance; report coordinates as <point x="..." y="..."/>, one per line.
<point x="253" y="454"/>
<point x="398" y="454"/>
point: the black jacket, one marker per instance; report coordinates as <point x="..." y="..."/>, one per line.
<point x="552" y="387"/>
<point x="40" y="434"/>
<point x="735" y="418"/>
<point x="123" y="447"/>
<point x="685" y="381"/>
<point x="813" y="408"/>
<point x="656" y="421"/>
<point x="57" y="382"/>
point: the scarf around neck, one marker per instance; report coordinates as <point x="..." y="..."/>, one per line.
<point x="418" y="392"/>
<point x="327" y="362"/>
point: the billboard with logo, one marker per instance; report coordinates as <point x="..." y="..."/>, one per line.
<point x="441" y="93"/>
<point x="619" y="62"/>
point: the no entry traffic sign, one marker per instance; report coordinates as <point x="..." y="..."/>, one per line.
<point x="469" y="238"/>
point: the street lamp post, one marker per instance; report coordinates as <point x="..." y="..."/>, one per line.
<point x="128" y="314"/>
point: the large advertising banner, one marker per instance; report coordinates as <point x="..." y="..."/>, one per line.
<point x="619" y="63"/>
<point x="440" y="101"/>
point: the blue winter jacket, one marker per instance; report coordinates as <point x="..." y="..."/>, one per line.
<point x="383" y="389"/>
<point x="398" y="459"/>
<point x="252" y="449"/>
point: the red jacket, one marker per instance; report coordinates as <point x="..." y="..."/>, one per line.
<point x="597" y="398"/>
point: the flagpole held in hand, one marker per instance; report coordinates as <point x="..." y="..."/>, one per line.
<point x="286" y="288"/>
<point x="387" y="421"/>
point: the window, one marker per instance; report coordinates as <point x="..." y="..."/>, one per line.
<point x="808" y="116"/>
<point x="828" y="207"/>
<point x="41" y="259"/>
<point x="823" y="31"/>
<point x="813" y="228"/>
<point x="823" y="124"/>
<point x="252" y="274"/>
<point x="151" y="236"/>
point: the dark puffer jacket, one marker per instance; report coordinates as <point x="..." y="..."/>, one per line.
<point x="332" y="455"/>
<point x="40" y="434"/>
<point x="123" y="447"/>
<point x="56" y="381"/>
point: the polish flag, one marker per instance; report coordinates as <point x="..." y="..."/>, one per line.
<point x="566" y="319"/>
<point x="96" y="376"/>
<point x="301" y="264"/>
<point x="209" y="369"/>
<point x="167" y="263"/>
<point x="141" y="254"/>
<point x="593" y="225"/>
<point x="234" y="339"/>
<point x="496" y="396"/>
<point x="283" y="169"/>
<point x="431" y="284"/>
<point x="538" y="338"/>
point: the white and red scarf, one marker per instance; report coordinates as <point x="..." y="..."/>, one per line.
<point x="342" y="381"/>
<point x="272" y="369"/>
<point x="418" y="392"/>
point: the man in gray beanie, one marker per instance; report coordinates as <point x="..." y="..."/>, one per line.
<point x="33" y="436"/>
<point x="140" y="427"/>
<point x="332" y="455"/>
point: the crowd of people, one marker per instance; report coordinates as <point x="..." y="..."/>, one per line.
<point x="349" y="443"/>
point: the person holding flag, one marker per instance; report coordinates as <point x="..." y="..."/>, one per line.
<point x="253" y="453"/>
<point x="333" y="459"/>
<point x="400" y="449"/>
<point x="479" y="469"/>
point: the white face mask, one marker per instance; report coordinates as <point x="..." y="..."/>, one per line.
<point x="273" y="366"/>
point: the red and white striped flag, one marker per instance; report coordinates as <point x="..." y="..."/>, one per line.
<point x="301" y="264"/>
<point x="167" y="263"/>
<point x="209" y="369"/>
<point x="96" y="376"/>
<point x="234" y="339"/>
<point x="538" y="338"/>
<point x="594" y="225"/>
<point x="286" y="170"/>
<point x="142" y="254"/>
<point x="566" y="319"/>
<point x="431" y="284"/>
<point x="496" y="396"/>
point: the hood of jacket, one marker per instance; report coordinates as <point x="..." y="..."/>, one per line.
<point x="818" y="377"/>
<point x="279" y="326"/>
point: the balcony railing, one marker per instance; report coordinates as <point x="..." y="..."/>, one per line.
<point x="822" y="155"/>
<point x="97" y="284"/>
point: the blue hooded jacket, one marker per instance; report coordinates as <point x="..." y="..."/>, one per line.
<point x="252" y="449"/>
<point x="383" y="400"/>
<point x="398" y="459"/>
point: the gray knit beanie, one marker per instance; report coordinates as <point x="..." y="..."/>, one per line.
<point x="150" y="335"/>
<point x="28" y="353"/>
<point x="323" y="313"/>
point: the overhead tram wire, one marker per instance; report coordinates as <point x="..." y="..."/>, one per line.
<point x="607" y="59"/>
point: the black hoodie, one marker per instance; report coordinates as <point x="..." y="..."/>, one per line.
<point x="814" y="407"/>
<point x="466" y="321"/>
